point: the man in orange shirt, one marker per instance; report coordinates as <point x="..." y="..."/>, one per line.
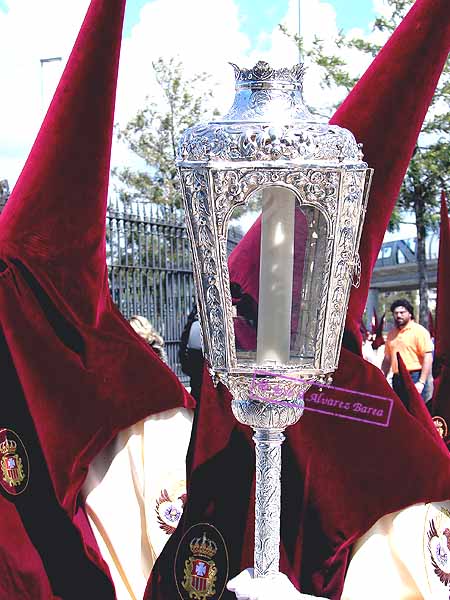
<point x="413" y="343"/>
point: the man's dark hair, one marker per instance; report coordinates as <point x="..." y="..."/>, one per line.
<point x="405" y="304"/>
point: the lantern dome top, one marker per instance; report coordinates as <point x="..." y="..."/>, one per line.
<point x="263" y="75"/>
<point x="268" y="121"/>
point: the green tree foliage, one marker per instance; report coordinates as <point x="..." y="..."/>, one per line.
<point x="429" y="169"/>
<point x="153" y="133"/>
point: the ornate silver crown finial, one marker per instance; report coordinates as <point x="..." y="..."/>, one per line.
<point x="262" y="72"/>
<point x="268" y="121"/>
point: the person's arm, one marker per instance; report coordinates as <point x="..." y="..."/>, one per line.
<point x="425" y="351"/>
<point x="426" y="370"/>
<point x="386" y="364"/>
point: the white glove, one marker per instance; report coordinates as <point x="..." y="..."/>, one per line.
<point x="246" y="587"/>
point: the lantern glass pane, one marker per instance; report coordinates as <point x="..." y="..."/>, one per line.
<point x="244" y="229"/>
<point x="310" y="288"/>
<point x="278" y="288"/>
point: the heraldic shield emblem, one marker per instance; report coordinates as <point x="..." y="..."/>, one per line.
<point x="14" y="463"/>
<point x="201" y="564"/>
<point x="436" y="549"/>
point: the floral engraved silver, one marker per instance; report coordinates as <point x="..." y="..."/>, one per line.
<point x="195" y="188"/>
<point x="346" y="262"/>
<point x="232" y="187"/>
<point x="269" y="138"/>
<point x="257" y="403"/>
<point x="267" y="501"/>
<point x="263" y="72"/>
<point x="259" y="141"/>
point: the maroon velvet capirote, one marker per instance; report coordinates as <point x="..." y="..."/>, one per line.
<point x="441" y="366"/>
<point x="73" y="371"/>
<point x="339" y="476"/>
<point x="377" y="329"/>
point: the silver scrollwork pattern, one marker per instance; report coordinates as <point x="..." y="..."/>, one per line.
<point x="267" y="501"/>
<point x="318" y="188"/>
<point x="346" y="261"/>
<point x="267" y="402"/>
<point x="262" y="71"/>
<point x="195" y="186"/>
<point x="233" y="187"/>
<point x="262" y="141"/>
<point x="269" y="138"/>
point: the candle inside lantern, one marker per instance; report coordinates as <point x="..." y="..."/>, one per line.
<point x="275" y="275"/>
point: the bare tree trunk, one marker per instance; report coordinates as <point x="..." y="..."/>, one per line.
<point x="419" y="209"/>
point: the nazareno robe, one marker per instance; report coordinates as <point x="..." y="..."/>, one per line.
<point x="339" y="476"/>
<point x="73" y="372"/>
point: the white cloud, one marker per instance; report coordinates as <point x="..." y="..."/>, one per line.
<point x="205" y="34"/>
<point x="31" y="31"/>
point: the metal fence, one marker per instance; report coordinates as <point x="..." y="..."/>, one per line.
<point x="150" y="272"/>
<point x="149" y="266"/>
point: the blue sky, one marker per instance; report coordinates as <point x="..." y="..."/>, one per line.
<point x="264" y="15"/>
<point x="33" y="29"/>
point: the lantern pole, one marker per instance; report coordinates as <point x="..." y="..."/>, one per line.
<point x="267" y="501"/>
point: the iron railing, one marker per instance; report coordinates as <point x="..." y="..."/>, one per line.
<point x="149" y="267"/>
<point x="150" y="271"/>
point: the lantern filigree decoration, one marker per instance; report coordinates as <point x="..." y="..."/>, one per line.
<point x="312" y="186"/>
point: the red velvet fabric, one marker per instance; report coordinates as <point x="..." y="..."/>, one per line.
<point x="22" y="573"/>
<point x="339" y="476"/>
<point x="243" y="262"/>
<point x="247" y="253"/>
<point x="377" y="329"/>
<point x="73" y="371"/>
<point x="431" y="327"/>
<point x="385" y="112"/>
<point x="441" y="366"/>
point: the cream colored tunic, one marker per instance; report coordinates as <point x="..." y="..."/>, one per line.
<point x="404" y="556"/>
<point x="134" y="496"/>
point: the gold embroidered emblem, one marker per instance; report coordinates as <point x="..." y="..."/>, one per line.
<point x="12" y="467"/>
<point x="14" y="463"/>
<point x="169" y="507"/>
<point x="437" y="549"/>
<point x="200" y="571"/>
<point x="441" y="426"/>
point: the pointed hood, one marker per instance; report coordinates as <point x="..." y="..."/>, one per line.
<point x="441" y="363"/>
<point x="374" y="322"/>
<point x="377" y="329"/>
<point x="386" y="117"/>
<point x="339" y="476"/>
<point x="431" y="327"/>
<point x="364" y="330"/>
<point x="55" y="216"/>
<point x="75" y="371"/>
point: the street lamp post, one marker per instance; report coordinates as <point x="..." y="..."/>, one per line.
<point x="45" y="61"/>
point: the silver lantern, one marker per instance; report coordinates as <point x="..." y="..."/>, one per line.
<point x="312" y="185"/>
